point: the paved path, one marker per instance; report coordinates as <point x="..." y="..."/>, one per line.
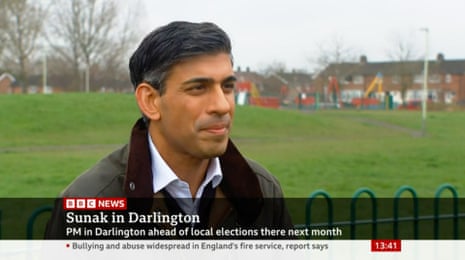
<point x="412" y="132"/>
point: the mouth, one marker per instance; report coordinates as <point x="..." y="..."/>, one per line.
<point x="217" y="129"/>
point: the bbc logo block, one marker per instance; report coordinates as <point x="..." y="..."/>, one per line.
<point x="94" y="203"/>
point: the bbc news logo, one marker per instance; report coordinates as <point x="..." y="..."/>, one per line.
<point x="94" y="204"/>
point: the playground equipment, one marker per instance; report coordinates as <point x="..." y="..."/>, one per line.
<point x="331" y="97"/>
<point x="248" y="91"/>
<point x="333" y="90"/>
<point x="374" y="99"/>
<point x="377" y="81"/>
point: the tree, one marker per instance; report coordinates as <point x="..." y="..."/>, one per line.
<point x="336" y="51"/>
<point x="20" y="25"/>
<point x="274" y="67"/>
<point x="403" y="51"/>
<point x="85" y="33"/>
<point x="328" y="62"/>
<point x="3" y="24"/>
<point x="113" y="67"/>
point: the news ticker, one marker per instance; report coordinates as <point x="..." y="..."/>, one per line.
<point x="115" y="218"/>
<point x="233" y="249"/>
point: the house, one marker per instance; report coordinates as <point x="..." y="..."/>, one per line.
<point x="296" y="84"/>
<point x="6" y="83"/>
<point x="274" y="89"/>
<point x="403" y="80"/>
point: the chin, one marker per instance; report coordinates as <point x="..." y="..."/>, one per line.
<point x="217" y="150"/>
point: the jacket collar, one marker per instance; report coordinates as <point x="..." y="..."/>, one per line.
<point x="240" y="184"/>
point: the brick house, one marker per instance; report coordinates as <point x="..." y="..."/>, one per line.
<point x="6" y="83"/>
<point x="282" y="86"/>
<point x="402" y="79"/>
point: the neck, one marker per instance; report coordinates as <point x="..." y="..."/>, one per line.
<point x="188" y="168"/>
<point x="191" y="171"/>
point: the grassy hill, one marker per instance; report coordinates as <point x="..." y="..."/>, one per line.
<point x="47" y="140"/>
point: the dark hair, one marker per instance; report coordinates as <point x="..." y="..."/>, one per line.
<point x="170" y="44"/>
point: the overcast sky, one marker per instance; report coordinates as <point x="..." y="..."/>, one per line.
<point x="290" y="31"/>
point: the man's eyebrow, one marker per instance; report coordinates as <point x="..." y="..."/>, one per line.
<point x="208" y="80"/>
<point x="198" y="80"/>
<point x="230" y="78"/>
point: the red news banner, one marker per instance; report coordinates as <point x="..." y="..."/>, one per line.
<point x="386" y="245"/>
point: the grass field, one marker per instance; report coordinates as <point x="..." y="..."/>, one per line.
<point x="47" y="140"/>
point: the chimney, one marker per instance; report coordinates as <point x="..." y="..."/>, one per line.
<point x="440" y="58"/>
<point x="363" y="59"/>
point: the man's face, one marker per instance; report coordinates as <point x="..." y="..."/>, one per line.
<point x="197" y="107"/>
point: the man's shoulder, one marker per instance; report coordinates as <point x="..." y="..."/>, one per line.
<point x="268" y="183"/>
<point x="104" y="179"/>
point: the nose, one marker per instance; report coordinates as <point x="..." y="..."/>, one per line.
<point x="220" y="102"/>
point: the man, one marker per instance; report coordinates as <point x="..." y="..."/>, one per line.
<point x="179" y="151"/>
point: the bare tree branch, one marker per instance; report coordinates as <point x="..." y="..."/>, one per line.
<point x="274" y="67"/>
<point x="403" y="52"/>
<point x="3" y="24"/>
<point x="403" y="49"/>
<point x="87" y="34"/>
<point x="335" y="51"/>
<point x="21" y="24"/>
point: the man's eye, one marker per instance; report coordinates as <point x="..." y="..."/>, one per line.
<point x="197" y="88"/>
<point x="229" y="86"/>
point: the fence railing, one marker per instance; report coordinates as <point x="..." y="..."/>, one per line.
<point x="435" y="217"/>
<point x="32" y="219"/>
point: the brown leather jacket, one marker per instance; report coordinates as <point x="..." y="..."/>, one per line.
<point x="248" y="196"/>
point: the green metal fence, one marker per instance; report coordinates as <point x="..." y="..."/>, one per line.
<point x="32" y="219"/>
<point x="415" y="218"/>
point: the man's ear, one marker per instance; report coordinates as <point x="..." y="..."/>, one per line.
<point x="147" y="100"/>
